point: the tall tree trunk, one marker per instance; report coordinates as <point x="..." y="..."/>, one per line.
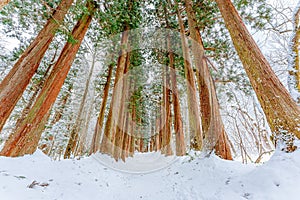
<point x="112" y="118"/>
<point x="294" y="79"/>
<point x="158" y="127"/>
<point x="36" y="89"/>
<point x="97" y="134"/>
<point x="196" y="138"/>
<point x="163" y="115"/>
<point x="178" y="125"/>
<point x="23" y="141"/>
<point x="161" y="121"/>
<point x="34" y="96"/>
<point x="151" y="144"/>
<point x="3" y="3"/>
<point x="81" y="144"/>
<point x="166" y="112"/>
<point x="281" y="111"/>
<point x="140" y="136"/>
<point x="126" y="140"/>
<point x="212" y="125"/>
<point x="141" y="144"/>
<point x="132" y="129"/>
<point x="78" y="123"/>
<point x="127" y="123"/>
<point x="122" y="113"/>
<point x="16" y="81"/>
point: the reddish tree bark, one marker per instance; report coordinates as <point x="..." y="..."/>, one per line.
<point x="132" y="128"/>
<point x="3" y="3"/>
<point x="281" y="111"/>
<point x="126" y="140"/>
<point x="178" y="125"/>
<point x="196" y="138"/>
<point x="14" y="84"/>
<point x="36" y="89"/>
<point x="23" y="140"/>
<point x="166" y="113"/>
<point x="122" y="113"/>
<point x="212" y="125"/>
<point x="107" y="142"/>
<point x="97" y="135"/>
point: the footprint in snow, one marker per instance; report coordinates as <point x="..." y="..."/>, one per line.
<point x="247" y="195"/>
<point x="227" y="181"/>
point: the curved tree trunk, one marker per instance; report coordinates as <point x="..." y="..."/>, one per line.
<point x="194" y="115"/>
<point x="16" y="81"/>
<point x="282" y="112"/>
<point x="23" y="140"/>
<point x="212" y="125"/>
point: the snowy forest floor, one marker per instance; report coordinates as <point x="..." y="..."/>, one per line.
<point x="37" y="177"/>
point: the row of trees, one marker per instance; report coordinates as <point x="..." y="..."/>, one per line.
<point x="126" y="121"/>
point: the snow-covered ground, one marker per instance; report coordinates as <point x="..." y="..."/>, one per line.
<point x="37" y="177"/>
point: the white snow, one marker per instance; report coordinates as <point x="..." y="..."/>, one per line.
<point x="181" y="178"/>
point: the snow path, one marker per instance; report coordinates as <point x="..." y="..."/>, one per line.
<point x="202" y="178"/>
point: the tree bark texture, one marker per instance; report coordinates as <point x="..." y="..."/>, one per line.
<point x="196" y="138"/>
<point x="212" y="124"/>
<point x="107" y="142"/>
<point x="23" y="141"/>
<point x="98" y="129"/>
<point x="178" y="125"/>
<point x="120" y="127"/>
<point x="295" y="62"/>
<point x="282" y="112"/>
<point x="3" y="3"/>
<point x="16" y="81"/>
